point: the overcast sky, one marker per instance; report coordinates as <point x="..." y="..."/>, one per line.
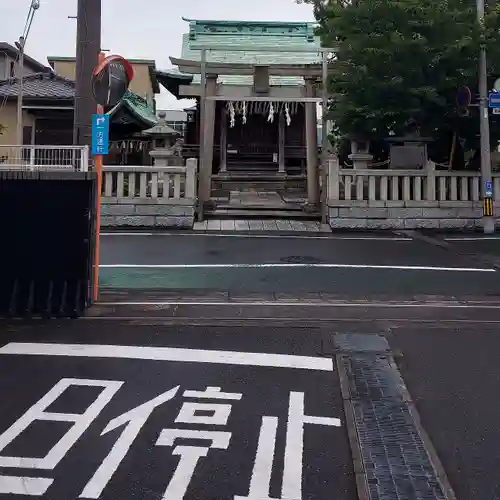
<point x="149" y="29"/>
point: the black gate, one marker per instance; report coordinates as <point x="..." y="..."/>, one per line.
<point x="47" y="240"/>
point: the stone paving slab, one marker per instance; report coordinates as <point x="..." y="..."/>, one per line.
<point x="255" y="198"/>
<point x="394" y="459"/>
<point x="285" y="225"/>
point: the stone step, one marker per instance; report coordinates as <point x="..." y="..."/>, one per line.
<point x="259" y="183"/>
<point x="278" y="226"/>
<point x="261" y="168"/>
<point x="289" y="207"/>
<point x="257" y="176"/>
<point x="225" y="214"/>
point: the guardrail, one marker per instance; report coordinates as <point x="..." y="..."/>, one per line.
<point x="35" y="157"/>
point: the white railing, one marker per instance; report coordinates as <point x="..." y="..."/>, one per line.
<point x="145" y="184"/>
<point x="427" y="185"/>
<point x="32" y="158"/>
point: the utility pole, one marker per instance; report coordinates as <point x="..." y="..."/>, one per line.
<point x="488" y="222"/>
<point x="35" y="5"/>
<point x="20" y="69"/>
<point x="88" y="47"/>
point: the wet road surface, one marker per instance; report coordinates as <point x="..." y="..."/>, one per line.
<point x="255" y="367"/>
<point x="342" y="265"/>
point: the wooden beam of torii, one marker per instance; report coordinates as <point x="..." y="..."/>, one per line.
<point x="218" y="68"/>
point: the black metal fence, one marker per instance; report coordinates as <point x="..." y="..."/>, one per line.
<point x="47" y="241"/>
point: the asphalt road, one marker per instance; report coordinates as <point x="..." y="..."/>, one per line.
<point x="362" y="266"/>
<point x="248" y="439"/>
<point x="485" y="245"/>
<point x="117" y="394"/>
<point x="450" y="368"/>
<point x="453" y="376"/>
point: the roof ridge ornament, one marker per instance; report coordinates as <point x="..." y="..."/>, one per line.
<point x="302" y="29"/>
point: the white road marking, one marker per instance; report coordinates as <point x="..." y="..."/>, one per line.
<point x="219" y="439"/>
<point x="213" y="393"/>
<point x="305" y="303"/>
<point x="204" y="413"/>
<point x="170" y="354"/>
<point x="30" y="486"/>
<point x="260" y="483"/>
<point x="291" y="488"/>
<point x="296" y="266"/>
<point x="189" y="456"/>
<point x="141" y="411"/>
<point x="80" y="422"/>
<point x="108" y="466"/>
<point x="327" y="236"/>
<point x="135" y="420"/>
<point x="472" y="238"/>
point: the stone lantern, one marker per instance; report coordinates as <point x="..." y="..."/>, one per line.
<point x="360" y="152"/>
<point x="167" y="143"/>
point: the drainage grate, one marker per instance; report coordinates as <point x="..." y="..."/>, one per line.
<point x="374" y="378"/>
<point x="397" y="465"/>
<point x="395" y="459"/>
<point x="361" y="342"/>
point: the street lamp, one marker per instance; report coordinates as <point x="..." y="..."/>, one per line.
<point x="35" y="5"/>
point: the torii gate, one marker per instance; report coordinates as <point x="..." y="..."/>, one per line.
<point x="208" y="97"/>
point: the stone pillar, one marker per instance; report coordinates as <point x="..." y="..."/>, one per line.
<point x="223" y="140"/>
<point x="281" y="142"/>
<point x="207" y="148"/>
<point x="312" y="148"/>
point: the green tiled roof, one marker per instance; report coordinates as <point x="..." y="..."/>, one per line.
<point x="139" y="107"/>
<point x="172" y="80"/>
<point x="240" y="35"/>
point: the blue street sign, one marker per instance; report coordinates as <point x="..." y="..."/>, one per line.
<point x="100" y="134"/>
<point x="494" y="100"/>
<point x="488" y="189"/>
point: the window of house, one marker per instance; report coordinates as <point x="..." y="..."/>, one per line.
<point x="12" y="69"/>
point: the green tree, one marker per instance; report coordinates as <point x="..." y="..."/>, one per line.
<point x="398" y="60"/>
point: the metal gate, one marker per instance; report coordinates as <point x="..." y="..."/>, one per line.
<point x="47" y="230"/>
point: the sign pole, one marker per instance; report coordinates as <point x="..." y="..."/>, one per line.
<point x="488" y="220"/>
<point x="110" y="81"/>
<point x="98" y="169"/>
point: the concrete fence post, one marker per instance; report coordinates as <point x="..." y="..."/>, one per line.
<point x="333" y="192"/>
<point x="430" y="187"/>
<point x="191" y="174"/>
<point x="85" y="153"/>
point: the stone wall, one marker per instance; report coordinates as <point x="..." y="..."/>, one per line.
<point x="363" y="214"/>
<point x="150" y="213"/>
